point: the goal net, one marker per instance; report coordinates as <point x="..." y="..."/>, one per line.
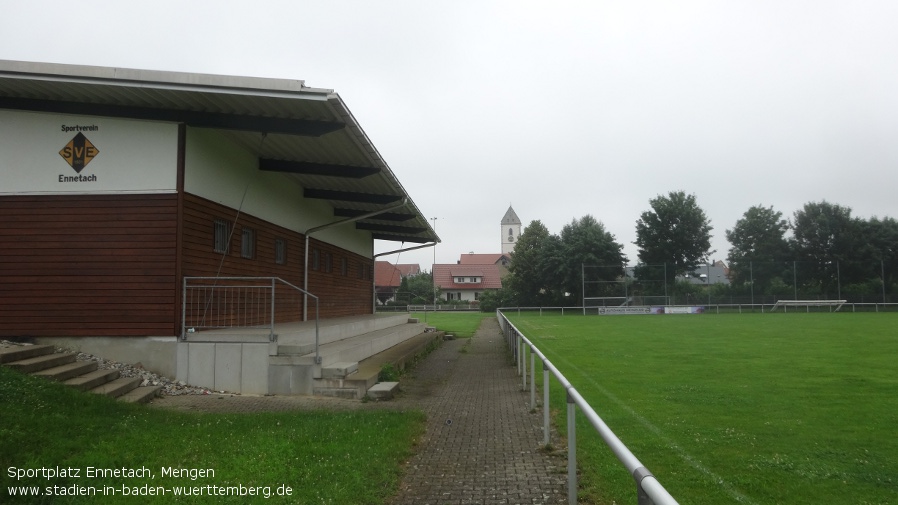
<point x="833" y="305"/>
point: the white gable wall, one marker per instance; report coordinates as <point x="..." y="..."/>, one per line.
<point x="218" y="170"/>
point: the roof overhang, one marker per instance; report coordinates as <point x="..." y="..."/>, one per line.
<point x="308" y="134"/>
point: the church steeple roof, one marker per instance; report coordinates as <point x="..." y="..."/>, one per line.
<point x="510" y="217"/>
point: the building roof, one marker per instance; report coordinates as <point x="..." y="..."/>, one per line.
<point x="407" y="269"/>
<point x="386" y="275"/>
<point x="510" y="217"/>
<point x="481" y="259"/>
<point x="444" y="277"/>
<point x="306" y="133"/>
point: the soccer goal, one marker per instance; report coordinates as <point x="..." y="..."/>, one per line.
<point x="807" y="304"/>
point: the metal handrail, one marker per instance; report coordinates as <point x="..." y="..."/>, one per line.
<point x="648" y="490"/>
<point x="271" y="284"/>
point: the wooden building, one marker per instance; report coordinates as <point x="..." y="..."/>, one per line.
<point x="117" y="184"/>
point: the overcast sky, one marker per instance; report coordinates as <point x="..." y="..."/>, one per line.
<point x="561" y="109"/>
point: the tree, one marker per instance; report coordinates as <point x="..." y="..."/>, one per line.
<point x="675" y="232"/>
<point x="759" y="247"/>
<point x="418" y="288"/>
<point x="545" y="267"/>
<point x="586" y="242"/>
<point x="827" y="241"/>
<point x="526" y="279"/>
<point x="881" y="249"/>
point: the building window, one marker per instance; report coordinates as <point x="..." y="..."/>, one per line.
<point x="280" y="251"/>
<point x="476" y="295"/>
<point x="220" y="232"/>
<point x="315" y="260"/>
<point x="248" y="245"/>
<point x="328" y="262"/>
<point x="344" y="267"/>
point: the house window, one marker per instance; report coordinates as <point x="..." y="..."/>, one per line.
<point x="315" y="259"/>
<point x="328" y="262"/>
<point x="220" y="232"/>
<point x="248" y="245"/>
<point x="344" y="267"/>
<point x="476" y="295"/>
<point x="280" y="251"/>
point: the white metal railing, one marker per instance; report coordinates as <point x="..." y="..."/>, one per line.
<point x="648" y="490"/>
<point x="236" y="302"/>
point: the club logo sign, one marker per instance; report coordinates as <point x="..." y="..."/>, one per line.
<point x="79" y="152"/>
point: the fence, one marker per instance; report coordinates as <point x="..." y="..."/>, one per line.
<point x="753" y="282"/>
<point x="241" y="302"/>
<point x="648" y="490"/>
<point x="725" y="308"/>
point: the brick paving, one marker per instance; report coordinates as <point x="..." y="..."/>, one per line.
<point x="482" y="442"/>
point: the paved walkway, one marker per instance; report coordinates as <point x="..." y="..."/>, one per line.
<point x="482" y="443"/>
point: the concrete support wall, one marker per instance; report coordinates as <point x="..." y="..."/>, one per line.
<point x="225" y="366"/>
<point x="156" y="354"/>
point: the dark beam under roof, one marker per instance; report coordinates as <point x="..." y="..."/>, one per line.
<point x="350" y="196"/>
<point x="223" y="121"/>
<point x="389" y="228"/>
<point x="386" y="216"/>
<point x="400" y="238"/>
<point x="306" y="168"/>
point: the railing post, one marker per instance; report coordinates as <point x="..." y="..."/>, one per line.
<point x="523" y="367"/>
<point x="545" y="404"/>
<point x="317" y="355"/>
<point x="517" y="349"/>
<point x="271" y="328"/>
<point x="571" y="451"/>
<point x="532" y="379"/>
<point x="184" y="310"/>
<point x="642" y="498"/>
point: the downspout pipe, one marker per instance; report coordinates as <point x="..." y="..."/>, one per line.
<point x="316" y="229"/>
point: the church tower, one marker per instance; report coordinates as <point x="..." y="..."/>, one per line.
<point x="511" y="230"/>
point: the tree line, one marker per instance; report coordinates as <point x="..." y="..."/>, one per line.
<point x="821" y="252"/>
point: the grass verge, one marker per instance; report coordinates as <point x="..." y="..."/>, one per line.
<point x="460" y="324"/>
<point x="757" y="408"/>
<point x="324" y="457"/>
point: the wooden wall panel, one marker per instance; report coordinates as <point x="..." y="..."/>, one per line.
<point x="339" y="295"/>
<point x="88" y="265"/>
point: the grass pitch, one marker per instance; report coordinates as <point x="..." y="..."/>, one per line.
<point x="755" y="408"/>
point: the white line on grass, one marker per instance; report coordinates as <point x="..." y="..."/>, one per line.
<point x="729" y="488"/>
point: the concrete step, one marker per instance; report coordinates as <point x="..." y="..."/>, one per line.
<point x="339" y="370"/>
<point x="383" y="390"/>
<point x="69" y="370"/>
<point x="91" y="380"/>
<point x="141" y="394"/>
<point x="118" y="387"/>
<point x="295" y="349"/>
<point x="45" y="361"/>
<point x="18" y="353"/>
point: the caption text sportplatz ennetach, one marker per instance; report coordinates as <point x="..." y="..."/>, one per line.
<point x="143" y="489"/>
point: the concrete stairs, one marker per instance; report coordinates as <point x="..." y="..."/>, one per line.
<point x="44" y="361"/>
<point x="358" y="380"/>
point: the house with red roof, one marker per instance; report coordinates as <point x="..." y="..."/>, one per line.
<point x="388" y="277"/>
<point x="467" y="282"/>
